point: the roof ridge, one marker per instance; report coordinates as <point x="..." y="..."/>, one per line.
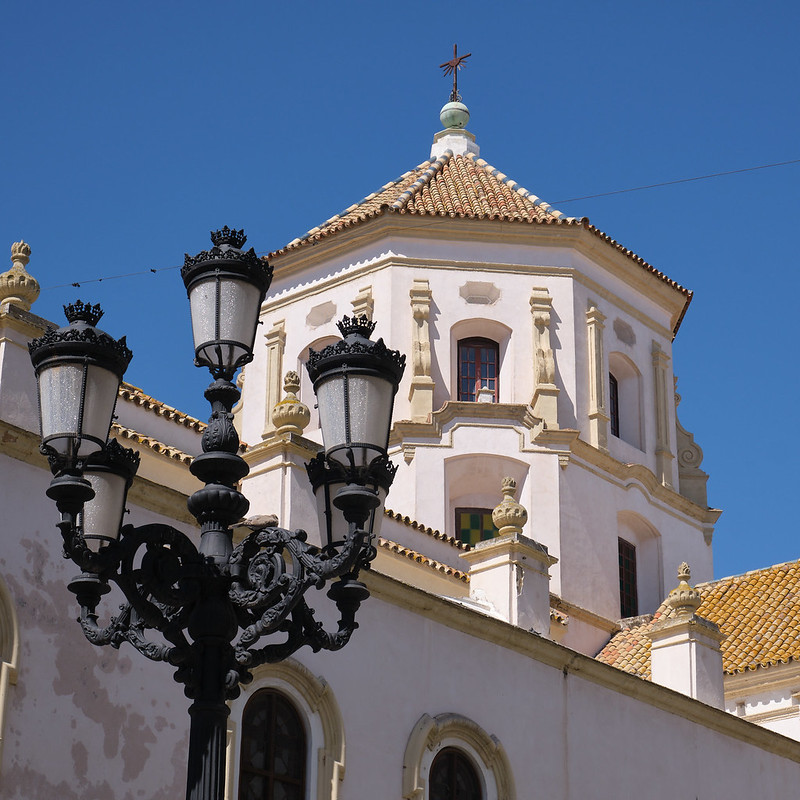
<point x="310" y="233"/>
<point x="515" y="187"/>
<point x="436" y="166"/>
<point x="794" y="563"/>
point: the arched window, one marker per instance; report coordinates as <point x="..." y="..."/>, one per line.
<point x="315" y="704"/>
<point x="273" y="753"/>
<point x="453" y="777"/>
<point x="450" y="757"/>
<point x="625" y="400"/>
<point x="478" y="361"/>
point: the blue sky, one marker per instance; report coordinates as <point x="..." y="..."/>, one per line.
<point x="130" y="130"/>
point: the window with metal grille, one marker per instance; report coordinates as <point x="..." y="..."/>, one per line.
<point x="272" y="765"/>
<point x="628" y="594"/>
<point x="477" y="368"/>
<point x="474" y="524"/>
<point x="613" y="404"/>
<point x="453" y="777"/>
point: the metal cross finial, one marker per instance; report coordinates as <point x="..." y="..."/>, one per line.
<point x="452" y="67"/>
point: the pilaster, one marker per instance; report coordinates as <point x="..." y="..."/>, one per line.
<point x="422" y="384"/>
<point x="661" y="395"/>
<point x="276" y="345"/>
<point x="545" y="392"/>
<point x="598" y="378"/>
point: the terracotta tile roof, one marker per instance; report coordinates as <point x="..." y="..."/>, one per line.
<point x="460" y="186"/>
<point x="136" y="396"/>
<point x="759" y="613"/>
<point x="413" y="555"/>
<point x="148" y="441"/>
<point x="411" y="523"/>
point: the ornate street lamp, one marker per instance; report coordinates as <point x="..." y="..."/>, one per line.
<point x="203" y="608"/>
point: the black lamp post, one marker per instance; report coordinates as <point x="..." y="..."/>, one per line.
<point x="203" y="609"/>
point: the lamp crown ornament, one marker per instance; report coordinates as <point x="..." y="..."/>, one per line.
<point x="361" y="325"/>
<point x="228" y="236"/>
<point x="83" y="312"/>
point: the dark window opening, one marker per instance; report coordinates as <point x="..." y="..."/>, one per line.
<point x="272" y="764"/>
<point x="613" y="404"/>
<point x="628" y="595"/>
<point x="474" y="524"/>
<point x="453" y="777"/>
<point x="477" y="368"/>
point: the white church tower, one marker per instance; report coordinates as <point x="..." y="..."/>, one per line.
<point x="539" y="350"/>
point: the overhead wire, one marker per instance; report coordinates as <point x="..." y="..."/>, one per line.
<point x="154" y="270"/>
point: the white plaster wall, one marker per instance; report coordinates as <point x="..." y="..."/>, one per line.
<point x="82" y="721"/>
<point x="565" y="737"/>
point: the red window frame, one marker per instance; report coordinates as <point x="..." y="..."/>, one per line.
<point x="478" y="366"/>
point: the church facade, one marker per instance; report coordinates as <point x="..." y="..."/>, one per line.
<point x="524" y="638"/>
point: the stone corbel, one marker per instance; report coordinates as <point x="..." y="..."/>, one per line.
<point x="598" y="378"/>
<point x="276" y="345"/>
<point x="420" y="392"/>
<point x="545" y="392"/>
<point x="364" y="305"/>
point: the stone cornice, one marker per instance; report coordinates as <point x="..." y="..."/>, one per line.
<point x="374" y="265"/>
<point x="583" y="614"/>
<point x="24" y="322"/>
<point x="502" y="634"/>
<point x="24" y="446"/>
<point x="588" y="241"/>
<point x="625" y="473"/>
<point x="505" y="414"/>
<point x="282" y="444"/>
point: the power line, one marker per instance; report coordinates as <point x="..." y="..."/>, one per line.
<point x="680" y="180"/>
<point x="78" y="284"/>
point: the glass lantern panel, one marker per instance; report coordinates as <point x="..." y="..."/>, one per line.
<point x="224" y="316"/>
<point x="102" y="387"/>
<point x="333" y="525"/>
<point x="102" y="515"/>
<point x="60" y="390"/>
<point x="370" y="400"/>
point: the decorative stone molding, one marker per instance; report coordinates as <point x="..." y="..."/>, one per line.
<point x="420" y="392"/>
<point x="290" y="415"/>
<point x="598" y="377"/>
<point x="432" y="734"/>
<point x="691" y="479"/>
<point x="683" y="599"/>
<point x="9" y="654"/>
<point x="481" y="293"/>
<point x="664" y="455"/>
<point x="315" y="700"/>
<point x="509" y="516"/>
<point x="545" y="392"/>
<point x="17" y="286"/>
<point x="364" y="305"/>
<point x="321" y="314"/>
<point x="276" y="346"/>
